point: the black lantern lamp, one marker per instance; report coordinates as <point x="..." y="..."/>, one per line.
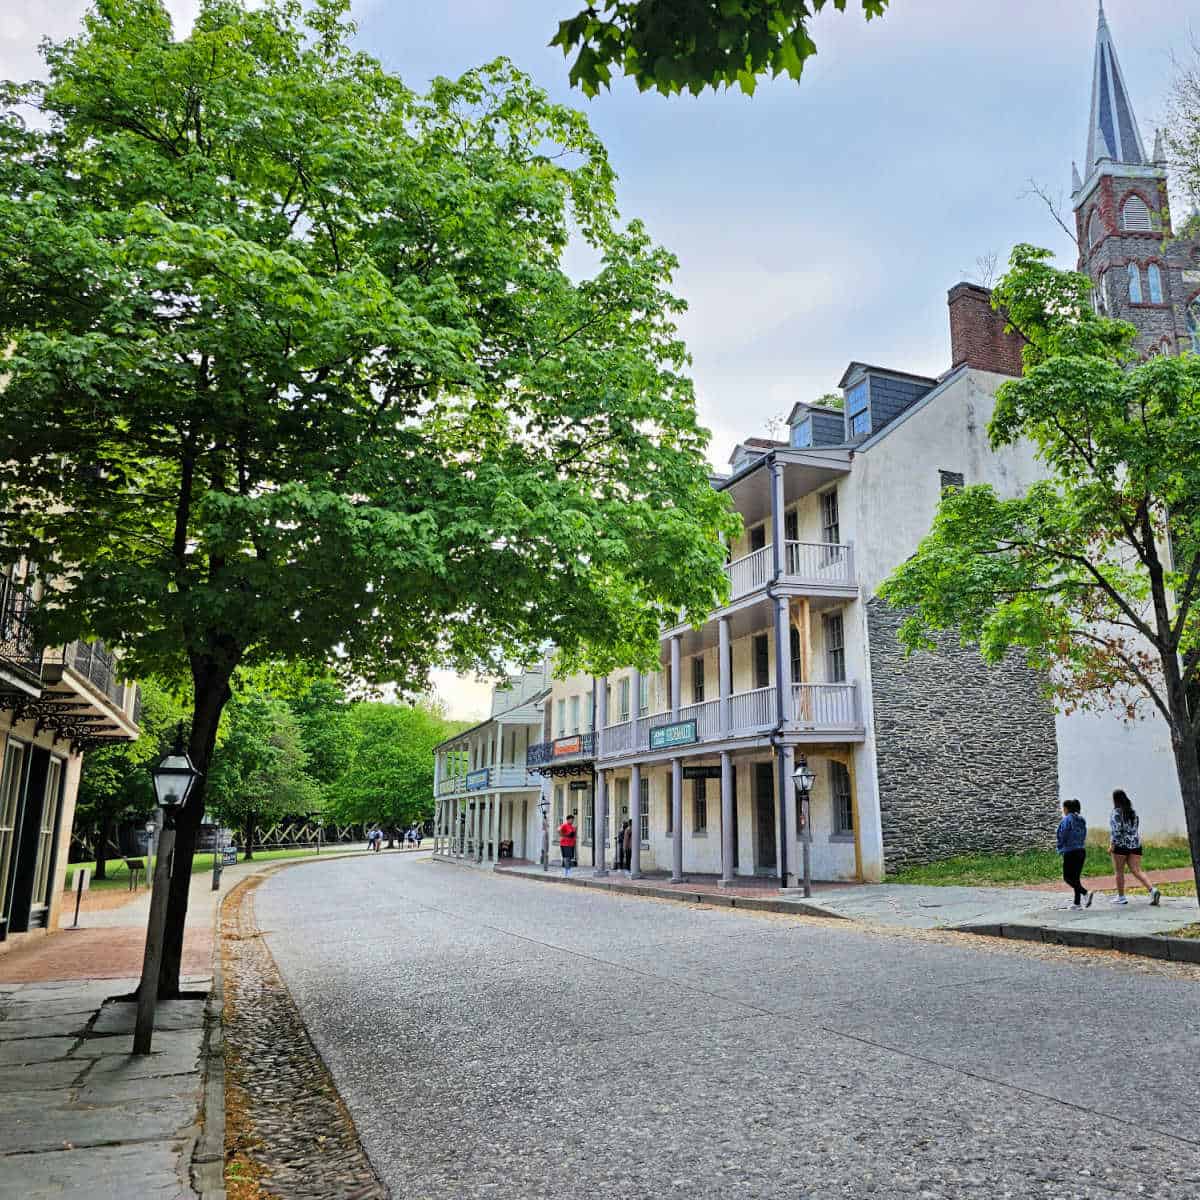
<point x="174" y="779"/>
<point x="802" y="777"/>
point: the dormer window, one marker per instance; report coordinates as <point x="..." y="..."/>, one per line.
<point x="858" y="411"/>
<point x="802" y="433"/>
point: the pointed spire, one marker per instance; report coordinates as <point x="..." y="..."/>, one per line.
<point x="1076" y="182"/>
<point x="1112" y="131"/>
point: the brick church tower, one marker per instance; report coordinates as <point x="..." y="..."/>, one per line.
<point x="1123" y="222"/>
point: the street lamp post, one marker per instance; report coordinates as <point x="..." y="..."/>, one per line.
<point x="544" y="809"/>
<point x="804" y="779"/>
<point x="173" y="779"/>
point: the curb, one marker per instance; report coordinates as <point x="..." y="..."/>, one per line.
<point x="679" y="893"/>
<point x="1172" y="949"/>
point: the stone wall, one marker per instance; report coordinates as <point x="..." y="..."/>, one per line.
<point x="967" y="755"/>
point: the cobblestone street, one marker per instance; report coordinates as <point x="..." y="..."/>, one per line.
<point x="491" y="1036"/>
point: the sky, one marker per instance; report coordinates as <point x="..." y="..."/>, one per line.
<point x="815" y="222"/>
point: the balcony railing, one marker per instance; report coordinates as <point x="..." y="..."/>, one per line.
<point x="481" y="779"/>
<point x="832" y="706"/>
<point x="820" y="562"/>
<point x="749" y="573"/>
<point x="17" y="644"/>
<point x="564" y="749"/>
<point x="819" y="707"/>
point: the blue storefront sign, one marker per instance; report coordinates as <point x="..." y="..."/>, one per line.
<point x="476" y="780"/>
<point x="682" y="733"/>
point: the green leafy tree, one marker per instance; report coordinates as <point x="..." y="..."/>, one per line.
<point x="389" y="775"/>
<point x="1094" y="571"/>
<point x="115" y="783"/>
<point x="259" y="768"/>
<point x="689" y="45"/>
<point x="295" y="371"/>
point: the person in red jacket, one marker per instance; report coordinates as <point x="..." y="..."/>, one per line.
<point x="566" y="838"/>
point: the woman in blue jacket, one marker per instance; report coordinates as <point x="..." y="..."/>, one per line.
<point x="1072" y="845"/>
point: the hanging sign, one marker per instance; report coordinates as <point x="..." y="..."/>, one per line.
<point x="568" y="745"/>
<point x="682" y="733"/>
<point x="702" y="772"/>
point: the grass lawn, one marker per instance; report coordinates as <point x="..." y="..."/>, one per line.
<point x="1037" y="866"/>
<point x="118" y="873"/>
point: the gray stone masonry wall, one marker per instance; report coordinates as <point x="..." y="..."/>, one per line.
<point x="967" y="753"/>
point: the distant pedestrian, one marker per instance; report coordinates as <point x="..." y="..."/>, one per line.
<point x="1072" y="845"/>
<point x="627" y="846"/>
<point x="1125" y="846"/>
<point x="566" y="839"/>
<point x="374" y="838"/>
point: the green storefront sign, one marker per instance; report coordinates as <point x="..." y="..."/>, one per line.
<point x="682" y="733"/>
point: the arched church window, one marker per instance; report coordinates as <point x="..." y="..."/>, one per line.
<point x="1095" y="230"/>
<point x="1135" y="214"/>
<point x="1193" y="325"/>
<point x="1154" y="283"/>
<point x="1135" y="284"/>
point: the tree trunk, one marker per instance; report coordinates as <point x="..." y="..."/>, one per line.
<point x="106" y="824"/>
<point x="248" y="834"/>
<point x="1187" y="767"/>
<point x="210" y="692"/>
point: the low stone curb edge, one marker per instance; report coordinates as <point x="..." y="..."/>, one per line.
<point x="1185" y="950"/>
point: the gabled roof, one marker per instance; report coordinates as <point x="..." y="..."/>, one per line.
<point x="821" y="408"/>
<point x="873" y="369"/>
<point x="1112" y="129"/>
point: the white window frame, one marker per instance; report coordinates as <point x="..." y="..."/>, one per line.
<point x="13" y="764"/>
<point x="47" y="828"/>
<point x="835" y="647"/>
<point x="1133" y="271"/>
<point x="843" y="830"/>
<point x="624" y="686"/>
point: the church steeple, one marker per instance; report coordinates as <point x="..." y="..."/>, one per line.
<point x="1113" y="131"/>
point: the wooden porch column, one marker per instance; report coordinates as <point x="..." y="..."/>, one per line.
<point x="724" y="675"/>
<point x="726" y="819"/>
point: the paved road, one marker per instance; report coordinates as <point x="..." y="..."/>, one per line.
<point x="498" y="1037"/>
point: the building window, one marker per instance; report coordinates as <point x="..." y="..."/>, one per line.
<point x="1154" y="282"/>
<point x="831" y="532"/>
<point x="802" y="433"/>
<point x="797" y="660"/>
<point x="644" y="813"/>
<point x="643" y="695"/>
<point x="10" y="796"/>
<point x="843" y="801"/>
<point x="1095" y="229"/>
<point x="758" y="537"/>
<point x="589" y="819"/>
<point x="1135" y="215"/>
<point x="791" y="526"/>
<point x="562" y="717"/>
<point x="590" y="709"/>
<point x="558" y="811"/>
<point x="623" y="712"/>
<point x="762" y="660"/>
<point x="574" y="714"/>
<point x="1193" y="325"/>
<point x="699" y="805"/>
<point x="1135" y="284"/>
<point x="858" y="410"/>
<point x="698" y="679"/>
<point x="950" y="481"/>
<point x="835" y="648"/>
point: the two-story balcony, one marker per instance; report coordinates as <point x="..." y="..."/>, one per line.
<point x="496" y="778"/>
<point x="563" y="756"/>
<point x="20" y="653"/>
<point x="85" y="696"/>
<point x="817" y="568"/>
<point x="820" y="712"/>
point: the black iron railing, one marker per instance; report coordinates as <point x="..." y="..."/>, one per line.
<point x="18" y="646"/>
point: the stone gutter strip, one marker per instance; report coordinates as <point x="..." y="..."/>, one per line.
<point x="1185" y="950"/>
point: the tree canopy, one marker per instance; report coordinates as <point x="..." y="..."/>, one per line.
<point x="688" y="45"/>
<point x="1094" y="572"/>
<point x="295" y="370"/>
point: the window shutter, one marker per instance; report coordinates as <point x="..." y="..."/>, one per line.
<point x="1135" y="215"/>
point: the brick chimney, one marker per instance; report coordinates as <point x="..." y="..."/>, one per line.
<point x="977" y="337"/>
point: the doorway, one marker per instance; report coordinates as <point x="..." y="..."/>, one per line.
<point x="764" y="814"/>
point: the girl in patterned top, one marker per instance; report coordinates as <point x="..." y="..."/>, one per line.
<point x="1126" y="847"/>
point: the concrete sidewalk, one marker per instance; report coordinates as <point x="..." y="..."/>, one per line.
<point x="998" y="911"/>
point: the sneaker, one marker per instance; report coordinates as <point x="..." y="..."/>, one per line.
<point x="1155" y="896"/>
<point x="1120" y="899"/>
<point x="1064" y="907"/>
<point x="1075" y="907"/>
<point x="1087" y="902"/>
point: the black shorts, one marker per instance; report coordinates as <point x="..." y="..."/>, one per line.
<point x="1127" y="849"/>
<point x="568" y="856"/>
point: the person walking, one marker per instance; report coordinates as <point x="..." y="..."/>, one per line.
<point x="1072" y="845"/>
<point x="566" y="839"/>
<point x="1125" y="846"/>
<point x="627" y="846"/>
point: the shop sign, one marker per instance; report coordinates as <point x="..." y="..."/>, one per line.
<point x="476" y="780"/>
<point x="682" y="733"/>
<point x="568" y="745"/>
<point x="702" y="772"/>
<point x="578" y="785"/>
